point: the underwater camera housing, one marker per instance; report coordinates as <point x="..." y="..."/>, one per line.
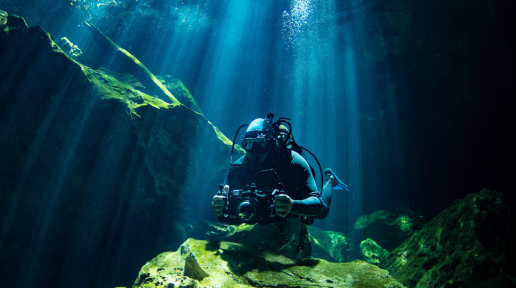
<point x="255" y="203"/>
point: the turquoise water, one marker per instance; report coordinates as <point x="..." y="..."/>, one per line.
<point x="408" y="103"/>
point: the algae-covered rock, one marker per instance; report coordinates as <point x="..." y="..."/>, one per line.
<point x="9" y="22"/>
<point x="199" y="263"/>
<point x="387" y="229"/>
<point x="330" y="245"/>
<point x="96" y="150"/>
<point x="174" y="85"/>
<point x="281" y="237"/>
<point x="75" y="51"/>
<point x="372" y="252"/>
<point x="217" y="231"/>
<point x="3" y="19"/>
<point x="177" y="142"/>
<point x="137" y="68"/>
<point x="179" y="90"/>
<point x="467" y="245"/>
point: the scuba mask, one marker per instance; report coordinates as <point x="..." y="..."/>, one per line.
<point x="257" y="143"/>
<point x="257" y="136"/>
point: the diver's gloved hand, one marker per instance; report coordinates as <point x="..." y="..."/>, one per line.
<point x="218" y="202"/>
<point x="283" y="204"/>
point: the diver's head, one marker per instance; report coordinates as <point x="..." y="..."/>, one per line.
<point x="259" y="139"/>
<point x="283" y="129"/>
<point x="3" y="18"/>
<point x="283" y="133"/>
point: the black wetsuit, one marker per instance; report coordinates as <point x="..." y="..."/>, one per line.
<point x="326" y="192"/>
<point x="293" y="171"/>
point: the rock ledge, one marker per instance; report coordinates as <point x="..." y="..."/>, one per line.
<point x="199" y="263"/>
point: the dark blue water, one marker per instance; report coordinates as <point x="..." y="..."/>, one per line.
<point x="408" y="102"/>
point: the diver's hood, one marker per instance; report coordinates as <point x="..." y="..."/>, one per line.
<point x="260" y="128"/>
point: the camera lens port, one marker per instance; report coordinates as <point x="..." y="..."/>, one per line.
<point x="246" y="210"/>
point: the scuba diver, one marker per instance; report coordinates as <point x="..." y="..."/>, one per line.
<point x="272" y="151"/>
<point x="302" y="197"/>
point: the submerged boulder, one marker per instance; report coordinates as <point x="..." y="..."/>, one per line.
<point x="176" y="141"/>
<point x="470" y="244"/>
<point x="281" y="237"/>
<point x="199" y="263"/>
<point x="96" y="150"/>
<point x="217" y="231"/>
<point x="372" y="252"/>
<point x="387" y="229"/>
<point x="331" y="246"/>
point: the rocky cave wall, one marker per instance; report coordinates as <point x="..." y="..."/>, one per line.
<point x="83" y="155"/>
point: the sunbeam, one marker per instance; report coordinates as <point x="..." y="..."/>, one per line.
<point x="114" y="161"/>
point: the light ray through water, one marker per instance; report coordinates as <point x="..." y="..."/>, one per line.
<point x="325" y="97"/>
<point x="242" y="71"/>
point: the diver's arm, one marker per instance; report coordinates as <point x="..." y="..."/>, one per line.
<point x="231" y="181"/>
<point x="308" y="207"/>
<point x="218" y="202"/>
<point x="310" y="203"/>
<point x="234" y="176"/>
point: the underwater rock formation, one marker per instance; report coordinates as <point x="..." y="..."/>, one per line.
<point x="278" y="238"/>
<point x="216" y="231"/>
<point x="82" y="151"/>
<point x="388" y="229"/>
<point x="329" y="245"/>
<point x="372" y="252"/>
<point x="8" y="22"/>
<point x="137" y="68"/>
<point x="174" y="85"/>
<point x="200" y="263"/>
<point x="172" y="135"/>
<point x="75" y="51"/>
<point x="179" y="90"/>
<point x="470" y="244"/>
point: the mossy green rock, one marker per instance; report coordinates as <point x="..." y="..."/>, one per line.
<point x="172" y="136"/>
<point x="329" y="245"/>
<point x="174" y="85"/>
<point x="179" y="90"/>
<point x="467" y="245"/>
<point x="199" y="263"/>
<point x="218" y="231"/>
<point x="387" y="229"/>
<point x="70" y="132"/>
<point x="281" y="237"/>
<point x="372" y="252"/>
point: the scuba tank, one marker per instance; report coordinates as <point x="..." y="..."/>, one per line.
<point x="285" y="140"/>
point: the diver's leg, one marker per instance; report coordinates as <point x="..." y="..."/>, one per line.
<point x="326" y="193"/>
